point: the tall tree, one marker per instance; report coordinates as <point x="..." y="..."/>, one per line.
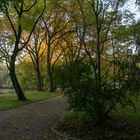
<point x="56" y="25"/>
<point x="18" y="14"/>
<point x="37" y="51"/>
<point x="98" y="18"/>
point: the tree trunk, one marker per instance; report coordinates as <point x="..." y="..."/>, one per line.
<point x="40" y="81"/>
<point x="16" y="85"/>
<point x="51" y="83"/>
<point x="49" y="70"/>
<point x="52" y="87"/>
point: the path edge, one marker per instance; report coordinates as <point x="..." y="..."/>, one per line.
<point x="56" y="132"/>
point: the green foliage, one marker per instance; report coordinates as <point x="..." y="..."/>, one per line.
<point x="92" y="86"/>
<point x="27" y="75"/>
<point x="128" y="113"/>
<point x="79" y="84"/>
<point x="69" y="76"/>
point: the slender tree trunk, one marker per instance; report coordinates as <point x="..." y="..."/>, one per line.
<point x="100" y="106"/>
<point x="15" y="82"/>
<point x="49" y="71"/>
<point x="50" y="79"/>
<point x="51" y="84"/>
<point x="40" y="81"/>
<point x="36" y="64"/>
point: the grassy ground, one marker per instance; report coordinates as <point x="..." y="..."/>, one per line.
<point x="129" y="114"/>
<point x="9" y="100"/>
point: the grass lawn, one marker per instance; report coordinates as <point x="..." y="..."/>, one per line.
<point x="9" y="100"/>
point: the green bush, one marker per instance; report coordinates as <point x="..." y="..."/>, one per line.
<point x="98" y="102"/>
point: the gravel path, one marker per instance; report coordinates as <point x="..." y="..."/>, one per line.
<point x="32" y="122"/>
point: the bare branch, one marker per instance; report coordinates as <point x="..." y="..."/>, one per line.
<point x="10" y="20"/>
<point x="34" y="26"/>
<point x="28" y="9"/>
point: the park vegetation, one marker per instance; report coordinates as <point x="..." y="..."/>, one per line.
<point x="90" y="49"/>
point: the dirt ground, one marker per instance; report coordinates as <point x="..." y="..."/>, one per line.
<point x="32" y="122"/>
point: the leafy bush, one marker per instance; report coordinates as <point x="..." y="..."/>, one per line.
<point x="98" y="102"/>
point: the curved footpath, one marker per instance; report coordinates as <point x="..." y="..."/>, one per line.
<point x="32" y="122"/>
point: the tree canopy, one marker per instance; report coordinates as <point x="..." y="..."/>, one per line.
<point x="88" y="48"/>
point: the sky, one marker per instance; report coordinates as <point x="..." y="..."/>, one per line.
<point x="133" y="8"/>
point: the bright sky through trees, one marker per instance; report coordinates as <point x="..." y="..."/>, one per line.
<point x="130" y="5"/>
